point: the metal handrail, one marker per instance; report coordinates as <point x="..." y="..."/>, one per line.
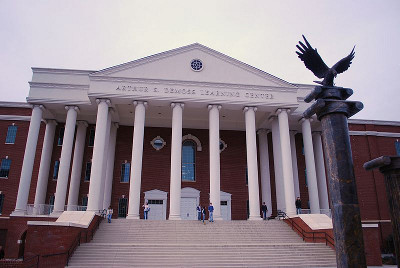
<point x="304" y="233"/>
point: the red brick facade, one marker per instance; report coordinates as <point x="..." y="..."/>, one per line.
<point x="156" y="169"/>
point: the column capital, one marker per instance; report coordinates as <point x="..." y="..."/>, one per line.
<point x="135" y="102"/>
<point x="51" y="121"/>
<point x="301" y="120"/>
<point x="247" y="108"/>
<point x="280" y="110"/>
<point x="107" y="101"/>
<point x="316" y="132"/>
<point x="293" y="132"/>
<point x="82" y="123"/>
<point x="68" y="107"/>
<point x="263" y="131"/>
<point x="271" y="118"/>
<point x="115" y="124"/>
<point x="33" y="106"/>
<point x="210" y="106"/>
<point x="175" y="104"/>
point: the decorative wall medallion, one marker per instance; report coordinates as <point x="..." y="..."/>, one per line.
<point x="158" y="143"/>
<point x="196" y="65"/>
<point x="222" y="145"/>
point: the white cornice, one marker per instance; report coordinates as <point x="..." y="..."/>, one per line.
<point x="183" y="49"/>
<point x="190" y="83"/>
<point x="61" y="71"/>
<point x="374" y="133"/>
<point x="374" y="122"/>
<point x="56" y="85"/>
<point x="15" y="117"/>
<point x="15" y="104"/>
<point x="57" y="101"/>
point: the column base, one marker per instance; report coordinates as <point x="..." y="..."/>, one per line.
<point x="133" y="217"/>
<point x="56" y="213"/>
<point x="174" y="218"/>
<point x="255" y="218"/>
<point x="18" y="213"/>
<point x="218" y="218"/>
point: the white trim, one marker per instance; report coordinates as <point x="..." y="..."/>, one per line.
<point x="15" y="104"/>
<point x="57" y="85"/>
<point x="15" y="117"/>
<point x="61" y="71"/>
<point x="370" y="225"/>
<point x="193" y="138"/>
<point x="374" y="122"/>
<point x="374" y="133"/>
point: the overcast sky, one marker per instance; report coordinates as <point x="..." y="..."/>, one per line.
<point x="93" y="35"/>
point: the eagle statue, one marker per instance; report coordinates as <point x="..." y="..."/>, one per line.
<point x="313" y="61"/>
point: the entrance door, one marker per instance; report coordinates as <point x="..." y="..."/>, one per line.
<point x="188" y="208"/>
<point x="122" y="207"/>
<point x="156" y="210"/>
<point x="224" y="210"/>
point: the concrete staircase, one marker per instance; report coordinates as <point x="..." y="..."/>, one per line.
<point x="139" y="243"/>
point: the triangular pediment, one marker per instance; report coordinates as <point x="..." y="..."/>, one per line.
<point x="175" y="65"/>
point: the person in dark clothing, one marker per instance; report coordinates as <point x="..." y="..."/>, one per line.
<point x="264" y="209"/>
<point x="298" y="205"/>
<point x="203" y="212"/>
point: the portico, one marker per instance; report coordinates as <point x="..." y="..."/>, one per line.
<point x="166" y="92"/>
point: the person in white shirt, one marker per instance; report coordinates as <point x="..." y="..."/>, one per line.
<point x="109" y="214"/>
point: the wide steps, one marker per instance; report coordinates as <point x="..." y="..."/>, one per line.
<point x="138" y="243"/>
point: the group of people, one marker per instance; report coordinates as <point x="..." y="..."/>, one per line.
<point x="201" y="213"/>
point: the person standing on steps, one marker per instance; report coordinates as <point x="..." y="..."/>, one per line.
<point x="198" y="212"/>
<point x="211" y="212"/>
<point x="264" y="209"/>
<point x="298" y="205"/>
<point x="109" y="214"/>
<point x="146" y="210"/>
<point x="203" y="212"/>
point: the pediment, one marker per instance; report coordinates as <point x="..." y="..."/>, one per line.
<point x="174" y="65"/>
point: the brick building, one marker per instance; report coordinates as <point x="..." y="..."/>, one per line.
<point x="177" y="129"/>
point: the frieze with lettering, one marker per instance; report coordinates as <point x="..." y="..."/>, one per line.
<point x="195" y="92"/>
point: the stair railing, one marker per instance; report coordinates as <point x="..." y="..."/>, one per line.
<point x="305" y="234"/>
<point x="71" y="249"/>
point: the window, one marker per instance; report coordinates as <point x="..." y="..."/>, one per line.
<point x="5" y="167"/>
<point x="91" y="137"/>
<point x="397" y="145"/>
<point x="1" y="203"/>
<point x="122" y="207"/>
<point x="88" y="171"/>
<point x="60" y="136"/>
<point x="51" y="203"/>
<point x="155" y="202"/>
<point x="188" y="161"/>
<point x="125" y="171"/>
<point x="224" y="203"/>
<point x="11" y="134"/>
<point x="84" y="201"/>
<point x="158" y="143"/>
<point x="55" y="171"/>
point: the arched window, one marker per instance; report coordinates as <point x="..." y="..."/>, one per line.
<point x="188" y="161"/>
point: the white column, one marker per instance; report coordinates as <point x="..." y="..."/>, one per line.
<point x="294" y="164"/>
<point x="310" y="166"/>
<point x="103" y="173"/>
<point x="136" y="163"/>
<point x="77" y="163"/>
<point x="98" y="155"/>
<point x="65" y="160"/>
<point x="44" y="168"/>
<point x="264" y="169"/>
<point x="110" y="166"/>
<point x="320" y="168"/>
<point x="287" y="169"/>
<point x="276" y="143"/>
<point x="176" y="162"/>
<point x="215" y="186"/>
<point x="29" y="159"/>
<point x="252" y="169"/>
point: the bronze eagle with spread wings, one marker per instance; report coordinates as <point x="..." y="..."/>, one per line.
<point x="313" y="61"/>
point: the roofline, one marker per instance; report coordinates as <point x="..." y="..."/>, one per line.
<point x="12" y="104"/>
<point x="374" y="122"/>
<point x="61" y="71"/>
